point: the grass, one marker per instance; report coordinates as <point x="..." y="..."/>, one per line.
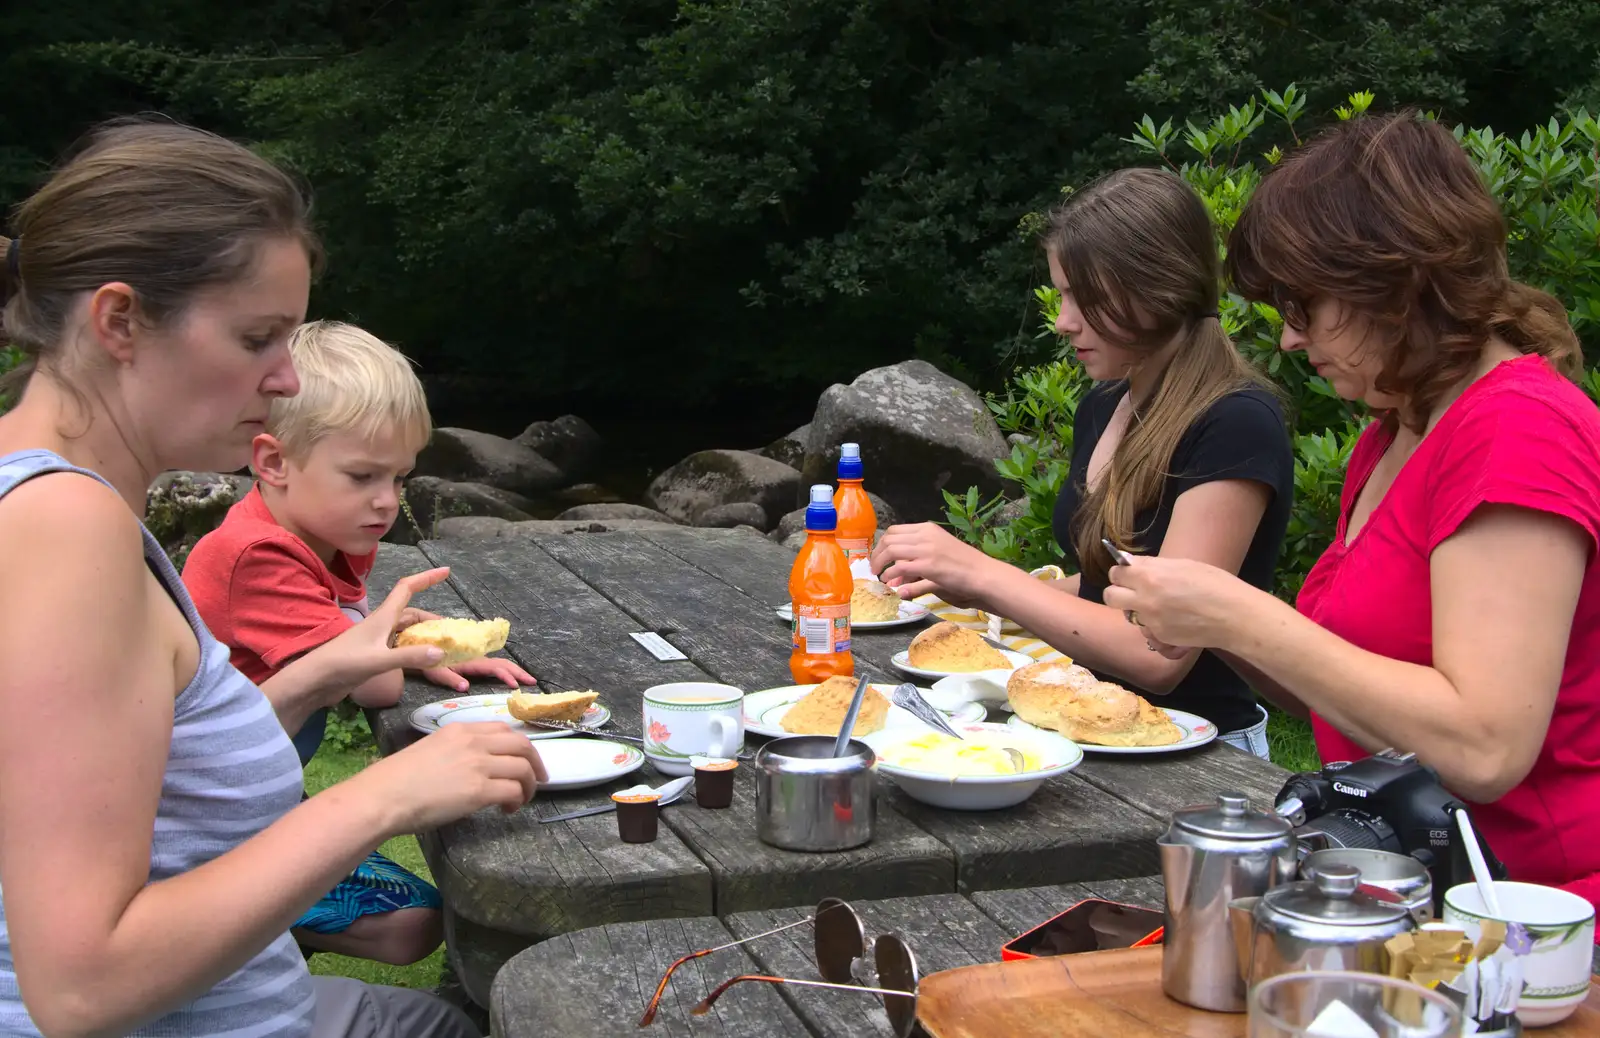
<point x="332" y="765"/>
<point x="1291" y="742"/>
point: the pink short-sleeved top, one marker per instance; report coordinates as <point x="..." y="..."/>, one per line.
<point x="1521" y="435"/>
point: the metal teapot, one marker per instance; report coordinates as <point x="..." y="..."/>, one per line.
<point x="1324" y="923"/>
<point x="1211" y="855"/>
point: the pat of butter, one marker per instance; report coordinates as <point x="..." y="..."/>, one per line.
<point x="1338" y="1020"/>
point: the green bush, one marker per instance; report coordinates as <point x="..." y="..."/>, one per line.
<point x="1547" y="186"/>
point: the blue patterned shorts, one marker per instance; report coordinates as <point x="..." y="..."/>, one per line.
<point x="378" y="885"/>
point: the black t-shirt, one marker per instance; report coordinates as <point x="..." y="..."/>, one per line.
<point x="1242" y="436"/>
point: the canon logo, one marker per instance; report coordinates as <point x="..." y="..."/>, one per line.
<point x="1350" y="791"/>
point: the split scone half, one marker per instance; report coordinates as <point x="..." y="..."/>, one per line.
<point x="461" y="640"/>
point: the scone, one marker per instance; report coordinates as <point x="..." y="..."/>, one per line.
<point x="1107" y="714"/>
<point x="461" y="640"/>
<point x="1038" y="691"/>
<point x="550" y="706"/>
<point x="821" y="711"/>
<point x="953" y="649"/>
<point x="873" y="602"/>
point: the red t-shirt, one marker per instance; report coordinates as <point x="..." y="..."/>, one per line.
<point x="1521" y="435"/>
<point x="265" y="594"/>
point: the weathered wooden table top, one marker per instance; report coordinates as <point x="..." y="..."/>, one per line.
<point x="573" y="599"/>
<point x="595" y="983"/>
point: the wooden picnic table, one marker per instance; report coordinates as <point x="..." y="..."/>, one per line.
<point x="595" y="983"/>
<point x="509" y="882"/>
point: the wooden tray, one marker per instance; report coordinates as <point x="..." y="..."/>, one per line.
<point x="1109" y="994"/>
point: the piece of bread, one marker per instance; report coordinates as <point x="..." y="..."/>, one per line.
<point x="953" y="649"/>
<point x="550" y="706"/>
<point x="461" y="640"/>
<point x="872" y="601"/>
<point x="1038" y="690"/>
<point x="821" y="711"/>
<point x="1109" y="715"/>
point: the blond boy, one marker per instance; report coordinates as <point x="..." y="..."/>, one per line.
<point x="286" y="571"/>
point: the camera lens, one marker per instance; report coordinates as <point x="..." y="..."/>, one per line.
<point x="1347" y="828"/>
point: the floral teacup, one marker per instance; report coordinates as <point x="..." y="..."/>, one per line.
<point x="689" y="718"/>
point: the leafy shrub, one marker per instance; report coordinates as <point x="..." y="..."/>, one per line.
<point x="1546" y="182"/>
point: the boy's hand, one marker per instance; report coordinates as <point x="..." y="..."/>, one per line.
<point x="493" y="668"/>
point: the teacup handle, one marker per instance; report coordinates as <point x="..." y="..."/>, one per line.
<point x="725" y="743"/>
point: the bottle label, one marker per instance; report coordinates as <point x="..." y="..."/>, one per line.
<point x="820" y="630"/>
<point x="855" y="547"/>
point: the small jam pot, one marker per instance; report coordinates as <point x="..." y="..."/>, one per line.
<point x="638" y="816"/>
<point x="713" y="780"/>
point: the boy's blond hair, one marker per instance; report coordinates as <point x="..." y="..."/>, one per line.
<point x="350" y="381"/>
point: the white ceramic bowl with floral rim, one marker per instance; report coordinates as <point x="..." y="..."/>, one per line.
<point x="1559" y="931"/>
<point x="1047" y="754"/>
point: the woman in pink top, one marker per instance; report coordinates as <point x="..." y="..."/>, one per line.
<point x="1457" y="612"/>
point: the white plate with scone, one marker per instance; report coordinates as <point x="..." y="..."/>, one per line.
<point x="872" y="605"/>
<point x="823" y="713"/>
<point x="1103" y="717"/>
<point x="497" y="706"/>
<point x="946" y="648"/>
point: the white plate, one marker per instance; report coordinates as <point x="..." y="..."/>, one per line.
<point x="492" y="707"/>
<point x="1057" y="755"/>
<point x="902" y="660"/>
<point x="580" y="763"/>
<point x="910" y="613"/>
<point x="1197" y="731"/>
<point x="764" y="710"/>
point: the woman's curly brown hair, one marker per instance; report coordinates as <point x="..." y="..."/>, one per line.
<point x="1388" y="215"/>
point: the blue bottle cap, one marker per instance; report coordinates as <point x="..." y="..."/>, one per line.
<point x="850" y="461"/>
<point x="820" y="514"/>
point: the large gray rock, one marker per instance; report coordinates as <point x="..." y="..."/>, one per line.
<point x="569" y="443"/>
<point x="707" y="479"/>
<point x="182" y="507"/>
<point x="796" y="520"/>
<point x="790" y="449"/>
<point x="740" y="513"/>
<point x="921" y="432"/>
<point x="433" y="500"/>
<point x="474" y="527"/>
<point x="614" y="510"/>
<point x="468" y="456"/>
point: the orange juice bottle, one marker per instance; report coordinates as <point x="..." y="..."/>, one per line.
<point x="858" y="521"/>
<point x="819" y="593"/>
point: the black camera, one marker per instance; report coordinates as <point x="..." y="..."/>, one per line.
<point x="1386" y="802"/>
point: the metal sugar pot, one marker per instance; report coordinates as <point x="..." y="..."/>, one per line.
<point x="809" y="800"/>
<point x="1325" y="923"/>
<point x="1212" y="855"/>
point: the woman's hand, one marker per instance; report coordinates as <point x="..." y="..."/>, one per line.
<point x="367" y="649"/>
<point x="923" y="558"/>
<point x="453" y="772"/>
<point x="1181" y="604"/>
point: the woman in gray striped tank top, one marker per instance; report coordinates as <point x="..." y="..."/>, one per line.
<point x="154" y="850"/>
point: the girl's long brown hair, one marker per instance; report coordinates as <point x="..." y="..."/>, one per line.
<point x="1388" y="215"/>
<point x="1140" y="258"/>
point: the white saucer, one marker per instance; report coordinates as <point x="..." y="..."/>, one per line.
<point x="580" y="763"/>
<point x="492" y="707"/>
<point x="902" y="660"/>
<point x="764" y="710"/>
<point x="1197" y="731"/>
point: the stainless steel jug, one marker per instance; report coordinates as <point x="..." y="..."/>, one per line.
<point x="1321" y="924"/>
<point x="1210" y="856"/>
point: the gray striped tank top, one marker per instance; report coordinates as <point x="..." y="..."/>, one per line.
<point x="231" y="772"/>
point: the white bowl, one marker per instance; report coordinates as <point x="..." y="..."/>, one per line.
<point x="1561" y="926"/>
<point x="1057" y="755"/>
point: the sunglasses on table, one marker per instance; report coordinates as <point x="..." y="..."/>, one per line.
<point x="839" y="944"/>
